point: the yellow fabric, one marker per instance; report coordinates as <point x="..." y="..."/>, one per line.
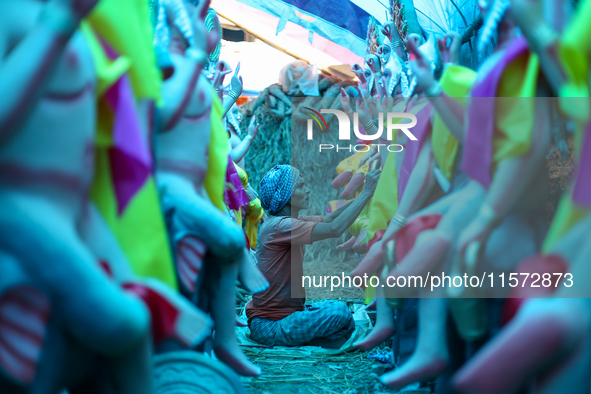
<point x="456" y="82"/>
<point x="574" y="51"/>
<point x="351" y="163"/>
<point x="108" y="71"/>
<point x="242" y="175"/>
<point x="362" y="221"/>
<point x="254" y="213"/>
<point x="384" y="202"/>
<point x="125" y="25"/>
<point x="514" y="109"/>
<point x="140" y="229"/>
<point x="215" y="179"/>
<point x="335" y="204"/>
<point x="370" y="293"/>
<point x="567" y="215"/>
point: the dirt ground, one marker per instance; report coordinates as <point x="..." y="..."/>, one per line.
<point x="348" y="373"/>
<point x="351" y="373"/>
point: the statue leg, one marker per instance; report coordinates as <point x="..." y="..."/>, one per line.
<point x="220" y="287"/>
<point x="250" y="275"/>
<point x="384" y="328"/>
<point x="93" y="310"/>
<point x="430" y="357"/>
<point x="197" y="228"/>
<point x="438" y="242"/>
<point x="548" y="336"/>
<point x="63" y="362"/>
<point x="371" y="261"/>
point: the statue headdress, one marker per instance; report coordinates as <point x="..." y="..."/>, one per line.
<point x="496" y="11"/>
<point x="375" y="37"/>
<point x="210" y="22"/>
<point x="181" y="20"/>
<point x="398" y="17"/>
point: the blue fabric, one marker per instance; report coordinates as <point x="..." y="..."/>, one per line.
<point x="329" y="319"/>
<point x="341" y="13"/>
<point x="277" y="187"/>
<point x="341" y="22"/>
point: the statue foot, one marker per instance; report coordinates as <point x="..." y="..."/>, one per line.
<point x="360" y="245"/>
<point x="172" y="314"/>
<point x="250" y="275"/>
<point x="341" y="179"/>
<point x="420" y="367"/>
<point x="231" y="355"/>
<point x="348" y="244"/>
<point x="240" y="322"/>
<point x="546" y="334"/>
<point x="354" y="185"/>
<point x="371" y="261"/>
<point x="378" y="335"/>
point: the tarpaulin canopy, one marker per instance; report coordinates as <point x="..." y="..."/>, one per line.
<point x="333" y="32"/>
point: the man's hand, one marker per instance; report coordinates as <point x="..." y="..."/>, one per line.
<point x="371" y="181"/>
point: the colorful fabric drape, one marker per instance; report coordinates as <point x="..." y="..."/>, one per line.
<point x="254" y="214"/>
<point x="125" y="25"/>
<point x="215" y="179"/>
<point x="574" y="52"/>
<point x="124" y="189"/>
<point x="456" y="82"/>
<point x="568" y="212"/>
<point x="499" y="104"/>
<point x="234" y="194"/>
<point x="385" y="200"/>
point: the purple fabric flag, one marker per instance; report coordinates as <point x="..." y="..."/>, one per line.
<point x="478" y="148"/>
<point x="582" y="190"/>
<point x="131" y="162"/>
<point x="234" y="195"/>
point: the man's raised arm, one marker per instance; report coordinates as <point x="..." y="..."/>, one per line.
<point x="337" y="226"/>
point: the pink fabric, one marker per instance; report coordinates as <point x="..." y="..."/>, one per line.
<point x="582" y="191"/>
<point x="131" y="161"/>
<point x="413" y="148"/>
<point x="24" y="314"/>
<point x="234" y="195"/>
<point x="478" y="148"/>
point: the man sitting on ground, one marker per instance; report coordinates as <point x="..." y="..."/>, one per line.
<point x="276" y="316"/>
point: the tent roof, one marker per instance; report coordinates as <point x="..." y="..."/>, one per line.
<point x="330" y="33"/>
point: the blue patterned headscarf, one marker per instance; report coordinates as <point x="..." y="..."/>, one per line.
<point x="277" y="187"/>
